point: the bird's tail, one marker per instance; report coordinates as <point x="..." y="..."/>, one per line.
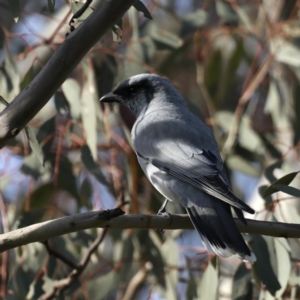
<point x="219" y="232"/>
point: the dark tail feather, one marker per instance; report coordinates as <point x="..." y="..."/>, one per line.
<point x="219" y="232"/>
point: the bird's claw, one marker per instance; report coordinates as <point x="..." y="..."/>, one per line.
<point x="164" y="213"/>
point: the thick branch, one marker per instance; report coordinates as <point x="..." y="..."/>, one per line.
<point x="108" y="219"/>
<point x="29" y="102"/>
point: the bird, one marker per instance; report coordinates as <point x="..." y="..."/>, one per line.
<point x="179" y="155"/>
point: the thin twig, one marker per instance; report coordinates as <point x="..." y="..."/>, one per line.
<point x="58" y="255"/>
<point x="60" y="285"/>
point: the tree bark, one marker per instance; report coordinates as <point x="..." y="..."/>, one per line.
<point x="114" y="219"/>
<point x="29" y="102"/>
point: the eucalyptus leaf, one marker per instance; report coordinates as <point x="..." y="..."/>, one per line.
<point x="15" y="8"/>
<point x="242" y="286"/>
<point x="72" y="93"/>
<point x="140" y="6"/>
<point x="90" y="164"/>
<point x="193" y="21"/>
<point x="279" y="183"/>
<point x="208" y="287"/>
<point x="284" y="265"/>
<point x="263" y="266"/>
<point x="34" y="144"/>
<point x="51" y="5"/>
<point x="287" y="189"/>
<point x="89" y="106"/>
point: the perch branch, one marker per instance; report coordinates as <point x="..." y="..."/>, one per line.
<point x="29" y="102"/>
<point x="113" y="219"/>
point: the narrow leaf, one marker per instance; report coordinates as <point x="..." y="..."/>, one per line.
<point x="90" y="164"/>
<point x="263" y="267"/>
<point x="34" y="144"/>
<point x="242" y="286"/>
<point x="140" y="6"/>
<point x="208" y="286"/>
<point x="283" y="181"/>
<point x="51" y="5"/>
<point x="14" y="7"/>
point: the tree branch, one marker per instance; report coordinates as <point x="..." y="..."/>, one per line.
<point x="60" y="285"/>
<point x="29" y="102"/>
<point x="113" y="219"/>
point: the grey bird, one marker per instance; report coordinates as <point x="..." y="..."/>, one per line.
<point x="180" y="157"/>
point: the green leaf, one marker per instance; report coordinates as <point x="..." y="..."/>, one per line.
<point x="279" y="183"/>
<point x="61" y="104"/>
<point x="288" y="190"/>
<point x="285" y="52"/>
<point x="151" y="250"/>
<point x="226" y="13"/>
<point x="117" y="31"/>
<point x="86" y="193"/>
<point x="76" y="6"/>
<point x="34" y="144"/>
<point x="165" y="40"/>
<point x="31" y="217"/>
<point x="72" y="93"/>
<point x="41" y="197"/>
<point x="140" y="6"/>
<point x="66" y="179"/>
<point x="31" y="166"/>
<point x="238" y="163"/>
<point x="191" y="290"/>
<point x="90" y="164"/>
<point x="244" y="17"/>
<point x="89" y="106"/>
<point x="35" y="288"/>
<point x="270" y="170"/>
<point x="296" y="119"/>
<point x="263" y="267"/>
<point x="193" y="21"/>
<point x="15" y="8"/>
<point x="51" y="5"/>
<point x="171" y="258"/>
<point x="242" y="285"/>
<point x="284" y="265"/>
<point x="208" y="287"/>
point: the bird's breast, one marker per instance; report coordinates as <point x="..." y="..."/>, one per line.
<point x="161" y="180"/>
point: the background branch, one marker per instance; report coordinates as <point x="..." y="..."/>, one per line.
<point x="29" y="102"/>
<point x="113" y="219"/>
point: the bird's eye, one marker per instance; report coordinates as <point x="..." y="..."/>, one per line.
<point x="133" y="90"/>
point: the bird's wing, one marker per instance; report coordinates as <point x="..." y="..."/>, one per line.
<point x="201" y="168"/>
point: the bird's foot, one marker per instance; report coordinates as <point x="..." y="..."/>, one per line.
<point x="163" y="212"/>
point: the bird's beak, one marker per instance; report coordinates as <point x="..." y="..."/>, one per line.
<point x="110" y="97"/>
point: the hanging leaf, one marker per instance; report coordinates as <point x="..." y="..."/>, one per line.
<point x="72" y="93"/>
<point x="242" y="285"/>
<point x="283" y="263"/>
<point x="140" y="6"/>
<point x="90" y="164"/>
<point x="193" y="21"/>
<point x="281" y="182"/>
<point x="191" y="290"/>
<point x="263" y="267"/>
<point x="51" y="5"/>
<point x="15" y="8"/>
<point x="208" y="287"/>
<point x="34" y="144"/>
<point x="86" y="193"/>
<point x="270" y="170"/>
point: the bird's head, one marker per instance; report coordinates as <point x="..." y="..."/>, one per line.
<point x="138" y="91"/>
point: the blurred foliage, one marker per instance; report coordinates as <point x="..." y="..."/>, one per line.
<point x="237" y="63"/>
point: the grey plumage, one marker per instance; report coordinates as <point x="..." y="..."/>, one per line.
<point x="180" y="156"/>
